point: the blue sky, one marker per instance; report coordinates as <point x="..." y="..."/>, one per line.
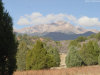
<point x="80" y="9"/>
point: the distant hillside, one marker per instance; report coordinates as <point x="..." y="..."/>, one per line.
<point x="62" y="46"/>
<point x="60" y="30"/>
<point x="58" y="36"/>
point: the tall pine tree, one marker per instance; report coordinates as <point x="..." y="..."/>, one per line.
<point x="36" y="58"/>
<point x="7" y="42"/>
<point x="21" y="56"/>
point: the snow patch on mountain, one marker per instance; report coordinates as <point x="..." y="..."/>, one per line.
<point x="60" y="26"/>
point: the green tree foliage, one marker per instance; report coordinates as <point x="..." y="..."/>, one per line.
<point x="36" y="58"/>
<point x="21" y="56"/>
<point x="74" y="43"/>
<point x="90" y="52"/>
<point x="91" y="36"/>
<point x="99" y="59"/>
<point x="8" y="43"/>
<point x="73" y="59"/>
<point x="53" y="57"/>
<point x="81" y="39"/>
<point x="97" y="36"/>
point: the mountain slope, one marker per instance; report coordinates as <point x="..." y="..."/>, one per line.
<point x="60" y="30"/>
<point x="60" y="26"/>
<point x="62" y="36"/>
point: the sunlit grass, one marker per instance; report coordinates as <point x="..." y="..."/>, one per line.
<point x="90" y="70"/>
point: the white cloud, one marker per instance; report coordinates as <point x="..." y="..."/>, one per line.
<point x="37" y="18"/>
<point x="86" y="21"/>
<point x="23" y="21"/>
<point x="34" y="15"/>
<point x="71" y="18"/>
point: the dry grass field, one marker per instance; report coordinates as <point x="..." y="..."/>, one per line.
<point x="90" y="70"/>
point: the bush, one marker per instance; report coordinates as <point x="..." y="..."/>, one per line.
<point x="73" y="59"/>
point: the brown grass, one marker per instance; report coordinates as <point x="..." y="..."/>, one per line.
<point x="90" y="70"/>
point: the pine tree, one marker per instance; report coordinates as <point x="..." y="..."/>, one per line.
<point x="81" y="39"/>
<point x="74" y="43"/>
<point x="36" y="58"/>
<point x="97" y="36"/>
<point x="90" y="52"/>
<point x="21" y="56"/>
<point x="53" y="57"/>
<point x="99" y="59"/>
<point x="73" y="59"/>
<point x="7" y="42"/>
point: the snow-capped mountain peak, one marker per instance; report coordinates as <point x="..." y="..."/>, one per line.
<point x="60" y="26"/>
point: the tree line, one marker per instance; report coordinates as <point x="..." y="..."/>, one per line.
<point x="39" y="57"/>
<point x="84" y="51"/>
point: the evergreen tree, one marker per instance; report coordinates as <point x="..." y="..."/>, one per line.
<point x="73" y="59"/>
<point x="53" y="57"/>
<point x="7" y="42"/>
<point x="90" y="52"/>
<point x="21" y="56"/>
<point x="74" y="43"/>
<point x="92" y="36"/>
<point x="99" y="59"/>
<point x="97" y="36"/>
<point x="81" y="39"/>
<point x="36" y="58"/>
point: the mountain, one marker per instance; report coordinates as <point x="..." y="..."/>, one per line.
<point x="58" y="36"/>
<point x="60" y="26"/>
<point x="60" y="30"/>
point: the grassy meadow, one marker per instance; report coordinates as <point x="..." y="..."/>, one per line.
<point x="89" y="70"/>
